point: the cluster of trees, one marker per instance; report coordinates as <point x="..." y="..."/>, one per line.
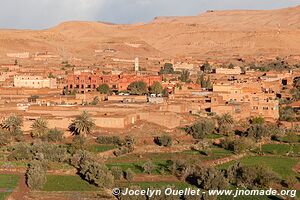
<point x="164" y="140"/>
<point x="125" y="146"/>
<point x="238" y="175"/>
<point x="279" y="64"/>
<point x="36" y="175"/>
<point x="39" y="151"/>
<point x="237" y="141"/>
<point x="167" y="69"/>
<point x="92" y="171"/>
<point x="140" y="88"/>
<point x="204" y="82"/>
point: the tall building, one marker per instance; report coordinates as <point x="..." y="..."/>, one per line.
<point x="136" y="64"/>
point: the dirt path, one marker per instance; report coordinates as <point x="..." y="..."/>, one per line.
<point x="154" y="178"/>
<point x="21" y="189"/>
<point x="224" y="160"/>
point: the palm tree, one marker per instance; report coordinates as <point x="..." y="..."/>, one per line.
<point x="225" y="118"/>
<point x="225" y="123"/>
<point x="13" y="123"/>
<point x="39" y="127"/>
<point x="82" y="124"/>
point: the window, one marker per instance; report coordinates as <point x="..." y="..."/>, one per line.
<point x="265" y="108"/>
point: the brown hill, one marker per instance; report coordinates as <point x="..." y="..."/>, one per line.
<point x="214" y="34"/>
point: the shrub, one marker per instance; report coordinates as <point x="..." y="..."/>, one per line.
<point x="22" y="151"/>
<point x="103" y="89"/>
<point x="54" y="135"/>
<point x="138" y="88"/>
<point x="91" y="170"/>
<point x="208" y="178"/>
<point x="201" y="129"/>
<point x="148" y="167"/>
<point x="203" y="147"/>
<point x="115" y="140"/>
<point x="36" y="175"/>
<point x="164" y="140"/>
<point x="117" y="172"/>
<point x="251" y="176"/>
<point x="129" y="175"/>
<point x="237" y="145"/>
<point x="4" y="139"/>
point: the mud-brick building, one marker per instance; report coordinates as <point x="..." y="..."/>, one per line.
<point x="30" y="81"/>
<point x="244" y="103"/>
<point x="89" y="81"/>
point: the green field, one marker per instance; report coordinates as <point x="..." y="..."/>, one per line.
<point x="7" y="183"/>
<point x="96" y="148"/>
<point x="4" y="195"/>
<point x="279" y="164"/>
<point x="67" y="183"/>
<point x="281" y="149"/>
<point x="145" y="185"/>
<point x="159" y="157"/>
<point x="161" y="161"/>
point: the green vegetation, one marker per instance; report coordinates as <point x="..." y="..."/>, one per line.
<point x="281" y="165"/>
<point x="39" y="128"/>
<point x="201" y="129"/>
<point x="8" y="181"/>
<point x="167" y="69"/>
<point x="103" y="89"/>
<point x="100" y="148"/>
<point x="156" y="88"/>
<point x="145" y="185"/>
<point x="164" y="140"/>
<point x="138" y="88"/>
<point x="185" y="76"/>
<point x="82" y="125"/>
<point x="67" y="183"/>
<point x="281" y="149"/>
<point x="36" y="175"/>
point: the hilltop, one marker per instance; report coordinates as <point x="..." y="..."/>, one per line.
<point x="214" y="34"/>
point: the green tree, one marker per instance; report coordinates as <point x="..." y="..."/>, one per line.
<point x="206" y="67"/>
<point x="258" y="120"/>
<point x="156" y="88"/>
<point x="148" y="167"/>
<point x="209" y="178"/>
<point x="138" y="88"/>
<point x="257" y="132"/>
<point x="167" y="69"/>
<point x="226" y="124"/>
<point x="39" y="127"/>
<point x="164" y="140"/>
<point x="95" y="101"/>
<point x="203" y="146"/>
<point x="251" y="176"/>
<point x="82" y="124"/>
<point x="36" y="175"/>
<point x="201" y="129"/>
<point x="55" y="135"/>
<point x="287" y="114"/>
<point x="103" y="89"/>
<point x="129" y="175"/>
<point x="240" y="145"/>
<point x="185" y="76"/>
<point x="13" y="124"/>
<point x="117" y="172"/>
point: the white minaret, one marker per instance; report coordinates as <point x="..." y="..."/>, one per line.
<point x="136" y="65"/>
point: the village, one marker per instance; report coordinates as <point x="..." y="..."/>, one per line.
<point x="146" y="122"/>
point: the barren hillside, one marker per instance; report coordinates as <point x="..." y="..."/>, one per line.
<point x="212" y="34"/>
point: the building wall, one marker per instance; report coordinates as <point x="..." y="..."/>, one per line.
<point x="88" y="81"/>
<point x="34" y="82"/>
<point x="236" y="70"/>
